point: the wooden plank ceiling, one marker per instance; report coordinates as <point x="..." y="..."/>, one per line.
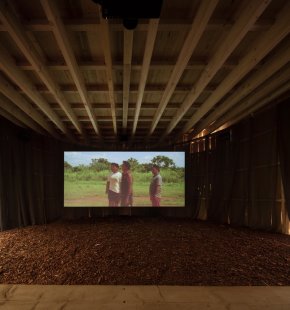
<point x="68" y="73"/>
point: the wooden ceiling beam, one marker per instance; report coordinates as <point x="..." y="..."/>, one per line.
<point x="11" y="118"/>
<point x="270" y="90"/>
<point x="16" y="113"/>
<point x="257" y="52"/>
<point x="154" y="65"/>
<point x="9" y="91"/>
<point x="247" y="17"/>
<point x="199" y="23"/>
<point x="8" y="66"/>
<point x="21" y="39"/>
<point x="64" y="44"/>
<point x="266" y="71"/>
<point x="149" y="46"/>
<point x="118" y="89"/>
<point x="128" y="47"/>
<point x="146" y="119"/>
<point x="105" y="38"/>
<point x="101" y="106"/>
<point x="91" y="25"/>
<point x="277" y="95"/>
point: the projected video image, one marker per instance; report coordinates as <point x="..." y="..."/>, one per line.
<point x="124" y="179"/>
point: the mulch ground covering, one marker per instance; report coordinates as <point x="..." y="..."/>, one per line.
<point x="143" y="251"/>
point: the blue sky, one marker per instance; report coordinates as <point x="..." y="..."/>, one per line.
<point x="77" y="158"/>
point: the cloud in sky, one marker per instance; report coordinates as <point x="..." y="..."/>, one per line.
<point x="85" y="158"/>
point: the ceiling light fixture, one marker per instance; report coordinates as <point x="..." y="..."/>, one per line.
<point x="130" y="11"/>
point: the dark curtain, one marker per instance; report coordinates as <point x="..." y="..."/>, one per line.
<point x="197" y="169"/>
<point x="283" y="131"/>
<point x="240" y="190"/>
<point x="263" y="172"/>
<point x="223" y="162"/>
<point x="31" y="177"/>
<point x="240" y="174"/>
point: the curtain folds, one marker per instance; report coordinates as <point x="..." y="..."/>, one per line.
<point x="283" y="132"/>
<point x="30" y="177"/>
<point x="239" y="176"/>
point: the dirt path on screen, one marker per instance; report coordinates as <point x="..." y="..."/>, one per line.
<point x="103" y="201"/>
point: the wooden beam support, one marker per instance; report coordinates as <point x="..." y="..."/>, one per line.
<point x="62" y="39"/>
<point x="134" y="89"/>
<point x="105" y="38"/>
<point x="92" y="25"/>
<point x="128" y="47"/>
<point x="265" y="94"/>
<point x="266" y="71"/>
<point x="8" y="66"/>
<point x="106" y="119"/>
<point x="149" y="45"/>
<point x="17" y="33"/>
<point x="147" y="107"/>
<point x="245" y="20"/>
<point x="258" y="51"/>
<point x="9" y="91"/>
<point x="199" y="23"/>
<point x="16" y="113"/>
<point x="11" y="118"/>
<point x="276" y="95"/>
<point x="98" y="66"/>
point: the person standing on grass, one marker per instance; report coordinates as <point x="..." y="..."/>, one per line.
<point x="155" y="186"/>
<point x="113" y="185"/>
<point x="126" y="185"/>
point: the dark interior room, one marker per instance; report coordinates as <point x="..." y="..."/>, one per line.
<point x="144" y="154"/>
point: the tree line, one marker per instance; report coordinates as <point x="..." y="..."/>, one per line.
<point x="101" y="164"/>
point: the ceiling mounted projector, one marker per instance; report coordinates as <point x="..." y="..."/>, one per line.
<point x="130" y="11"/>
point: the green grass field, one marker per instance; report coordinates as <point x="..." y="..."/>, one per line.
<point x="88" y="190"/>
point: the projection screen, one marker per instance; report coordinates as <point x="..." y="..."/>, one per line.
<point x="124" y="179"/>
